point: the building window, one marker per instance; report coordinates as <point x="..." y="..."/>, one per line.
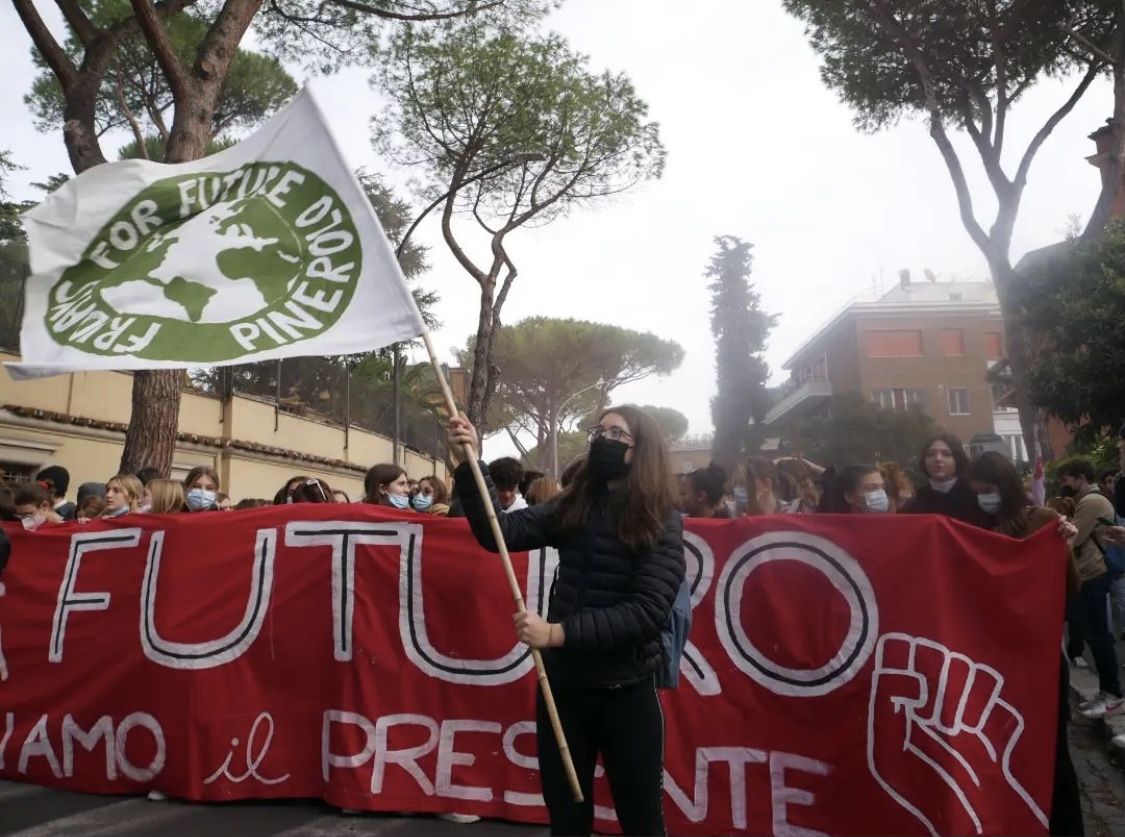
<point x="958" y="402"/>
<point x="900" y="399"/>
<point x="952" y="342"/>
<point x="993" y="345"/>
<point x="17" y="472"/>
<point x="900" y="343"/>
<point x="1017" y="450"/>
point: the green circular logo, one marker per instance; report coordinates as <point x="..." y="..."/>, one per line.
<point x="209" y="267"/>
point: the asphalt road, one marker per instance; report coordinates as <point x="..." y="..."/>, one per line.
<point x="31" y="811"/>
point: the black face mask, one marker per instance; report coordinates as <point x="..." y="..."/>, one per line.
<point x="606" y="460"/>
<point x="1068" y="491"/>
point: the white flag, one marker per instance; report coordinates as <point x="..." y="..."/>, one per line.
<point x="268" y="249"/>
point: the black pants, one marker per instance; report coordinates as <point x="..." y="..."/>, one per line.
<point x="1086" y="615"/>
<point x="625" y="726"/>
<point x="1066" y="804"/>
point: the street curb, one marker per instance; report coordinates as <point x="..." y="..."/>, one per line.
<point x="1083" y="686"/>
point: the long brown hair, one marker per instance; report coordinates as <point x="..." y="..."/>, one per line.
<point x="439" y="488"/>
<point x="993" y="468"/>
<point x="378" y="476"/>
<point x="640" y="509"/>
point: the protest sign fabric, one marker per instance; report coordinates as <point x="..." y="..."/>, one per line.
<point x="844" y="675"/>
<point x="267" y="249"/>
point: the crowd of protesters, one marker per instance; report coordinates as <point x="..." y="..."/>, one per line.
<point x="987" y="492"/>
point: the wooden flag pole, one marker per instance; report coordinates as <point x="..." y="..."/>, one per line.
<point x="513" y="584"/>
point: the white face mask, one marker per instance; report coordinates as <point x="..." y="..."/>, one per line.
<point x="33" y="522"/>
<point x="876" y="501"/>
<point x="944" y="486"/>
<point x="989" y="503"/>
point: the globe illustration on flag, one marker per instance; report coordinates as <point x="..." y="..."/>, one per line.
<point x="226" y="263"/>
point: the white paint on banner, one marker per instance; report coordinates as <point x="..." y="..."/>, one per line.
<point x="254" y="755"/>
<point x="68" y="599"/>
<point x="227" y="648"/>
<point x="782" y="796"/>
<point x="841" y="571"/>
<point x="448" y="758"/>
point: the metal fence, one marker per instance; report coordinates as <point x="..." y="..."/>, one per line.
<point x="342" y="392"/>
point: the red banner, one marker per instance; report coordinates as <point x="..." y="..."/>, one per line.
<point x="844" y="675"/>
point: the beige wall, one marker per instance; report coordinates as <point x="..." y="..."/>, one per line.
<point x="92" y="453"/>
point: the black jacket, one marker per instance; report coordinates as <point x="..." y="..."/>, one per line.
<point x="960" y="503"/>
<point x="5" y="551"/>
<point x="611" y="602"/>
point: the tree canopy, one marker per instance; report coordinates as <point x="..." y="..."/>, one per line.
<point x="673" y="424"/>
<point x="13" y="257"/>
<point x="1076" y="301"/>
<point x="858" y="431"/>
<point x="135" y="93"/>
<point x="962" y="64"/>
<point x="552" y="372"/>
<point x="741" y="329"/>
<point x="962" y="58"/>
<point x="510" y="129"/>
<point x="324" y="33"/>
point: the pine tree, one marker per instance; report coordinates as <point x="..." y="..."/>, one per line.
<point x="741" y="329"/>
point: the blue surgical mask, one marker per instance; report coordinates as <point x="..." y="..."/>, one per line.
<point x="199" y="499"/>
<point x="876" y="501"/>
<point x="422" y="502"/>
<point x="989" y="503"/>
<point x="117" y="512"/>
<point x="399" y="501"/>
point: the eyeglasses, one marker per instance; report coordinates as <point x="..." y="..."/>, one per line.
<point x="319" y="488"/>
<point x="614" y="434"/>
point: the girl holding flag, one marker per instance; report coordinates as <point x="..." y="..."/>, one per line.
<point x="621" y="563"/>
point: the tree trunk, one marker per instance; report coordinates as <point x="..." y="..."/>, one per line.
<point x="1111" y="174"/>
<point x="1018" y="343"/>
<point x="151" y="438"/>
<point x="482" y="357"/>
<point x="553" y="438"/>
<point x="79" y="135"/>
<point x="150" y="441"/>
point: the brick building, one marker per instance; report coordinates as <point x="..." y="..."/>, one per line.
<point x="922" y="344"/>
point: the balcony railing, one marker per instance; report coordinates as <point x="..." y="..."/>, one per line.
<point x="805" y="396"/>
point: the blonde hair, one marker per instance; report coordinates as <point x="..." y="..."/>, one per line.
<point x="167" y="496"/>
<point x="131" y="486"/>
<point x="542" y="490"/>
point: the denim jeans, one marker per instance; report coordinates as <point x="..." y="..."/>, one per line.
<point x="1086" y="614"/>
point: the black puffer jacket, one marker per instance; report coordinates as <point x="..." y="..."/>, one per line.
<point x="612" y="603"/>
<point x="960" y="503"/>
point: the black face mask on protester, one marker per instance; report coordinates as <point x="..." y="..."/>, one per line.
<point x="1068" y="491"/>
<point x="606" y="460"/>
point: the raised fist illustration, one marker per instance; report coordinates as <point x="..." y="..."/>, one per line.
<point x="937" y="716"/>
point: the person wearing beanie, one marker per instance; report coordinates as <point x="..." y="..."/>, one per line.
<point x="56" y="479"/>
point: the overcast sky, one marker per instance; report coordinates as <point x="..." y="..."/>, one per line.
<point x="757" y="148"/>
